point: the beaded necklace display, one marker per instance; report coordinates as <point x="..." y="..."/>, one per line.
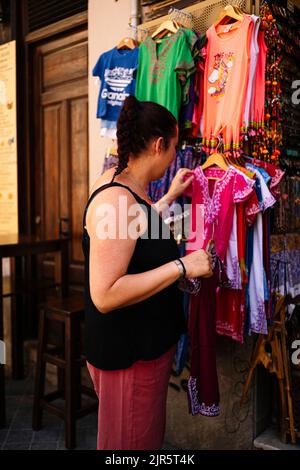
<point x="266" y="137"/>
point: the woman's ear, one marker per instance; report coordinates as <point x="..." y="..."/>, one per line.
<point x="159" y="145"/>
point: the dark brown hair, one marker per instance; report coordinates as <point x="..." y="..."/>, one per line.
<point x="140" y="122"/>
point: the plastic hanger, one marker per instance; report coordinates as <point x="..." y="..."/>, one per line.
<point x="216" y="159"/>
<point x="169" y="26"/>
<point x="239" y="164"/>
<point x="127" y="43"/>
<point x="238" y="10"/>
<point x="229" y="12"/>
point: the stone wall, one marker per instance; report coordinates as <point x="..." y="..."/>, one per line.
<point x="234" y="427"/>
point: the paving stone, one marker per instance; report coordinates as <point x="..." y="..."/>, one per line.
<point x="3" y="435"/>
<point x="51" y="421"/>
<point x="269" y="440"/>
<point x="86" y="438"/>
<point x="44" y="446"/>
<point x="16" y="446"/>
<point x="22" y="420"/>
<point x="20" y="436"/>
<point x="88" y="421"/>
<point x="46" y="435"/>
<point x="11" y="406"/>
<point x="61" y="445"/>
<point x="15" y="387"/>
<point x="86" y="445"/>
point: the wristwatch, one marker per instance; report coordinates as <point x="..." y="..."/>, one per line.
<point x="180" y="267"/>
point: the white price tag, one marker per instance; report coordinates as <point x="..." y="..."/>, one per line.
<point x="227" y="29"/>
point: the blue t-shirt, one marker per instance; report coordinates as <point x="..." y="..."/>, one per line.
<point x="117" y="70"/>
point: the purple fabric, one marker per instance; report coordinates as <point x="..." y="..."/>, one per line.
<point x="184" y="159"/>
<point x="110" y="161"/>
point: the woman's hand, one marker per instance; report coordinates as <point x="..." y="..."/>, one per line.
<point x="198" y="264"/>
<point x="180" y="183"/>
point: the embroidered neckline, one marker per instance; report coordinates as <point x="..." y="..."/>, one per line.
<point x="164" y="42"/>
<point x="212" y="203"/>
<point x="157" y="64"/>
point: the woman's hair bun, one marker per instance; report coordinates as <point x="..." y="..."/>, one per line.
<point x="130" y="108"/>
<point x="138" y="123"/>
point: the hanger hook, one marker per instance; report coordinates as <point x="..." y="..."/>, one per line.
<point x="220" y="144"/>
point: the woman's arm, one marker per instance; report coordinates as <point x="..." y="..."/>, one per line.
<point x="132" y="288"/>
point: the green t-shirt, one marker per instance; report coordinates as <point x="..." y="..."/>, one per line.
<point x="164" y="68"/>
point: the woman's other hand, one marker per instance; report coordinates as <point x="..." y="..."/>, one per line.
<point x="180" y="183"/>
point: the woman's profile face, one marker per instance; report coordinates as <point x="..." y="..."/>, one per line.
<point x="165" y="157"/>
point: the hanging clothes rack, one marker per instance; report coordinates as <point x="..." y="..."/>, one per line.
<point x="182" y="17"/>
<point x="141" y="32"/>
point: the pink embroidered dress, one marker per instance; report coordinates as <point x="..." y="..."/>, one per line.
<point x="213" y="204"/>
<point x="230" y="303"/>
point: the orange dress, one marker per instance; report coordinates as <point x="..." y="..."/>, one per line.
<point x="225" y="83"/>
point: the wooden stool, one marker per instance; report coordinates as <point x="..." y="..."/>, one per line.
<point x="276" y="362"/>
<point x="67" y="313"/>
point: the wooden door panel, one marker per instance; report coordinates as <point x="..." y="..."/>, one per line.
<point x="61" y="125"/>
<point x="64" y="92"/>
<point x="78" y="171"/>
<point x="65" y="65"/>
<point x="51" y="151"/>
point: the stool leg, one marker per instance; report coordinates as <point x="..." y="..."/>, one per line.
<point x="2" y="397"/>
<point x="77" y="331"/>
<point x="18" y="310"/>
<point x="61" y="380"/>
<point x="40" y="374"/>
<point x="70" y="386"/>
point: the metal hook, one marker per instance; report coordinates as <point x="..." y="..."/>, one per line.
<point x="139" y="29"/>
<point x="220" y="144"/>
<point x="176" y="14"/>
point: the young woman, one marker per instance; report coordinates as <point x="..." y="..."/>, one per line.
<point x="134" y="309"/>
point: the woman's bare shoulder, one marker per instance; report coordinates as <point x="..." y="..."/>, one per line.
<point x="105" y="178"/>
<point x="110" y="195"/>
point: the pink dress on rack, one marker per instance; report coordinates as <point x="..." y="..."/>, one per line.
<point x="258" y="98"/>
<point x="213" y="206"/>
<point x="212" y="216"/>
<point x="231" y="306"/>
<point x="276" y="175"/>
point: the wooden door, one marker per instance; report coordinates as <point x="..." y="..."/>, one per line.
<point x="60" y="94"/>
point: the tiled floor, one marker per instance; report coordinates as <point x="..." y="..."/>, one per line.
<point x="18" y="435"/>
<point x="269" y="440"/>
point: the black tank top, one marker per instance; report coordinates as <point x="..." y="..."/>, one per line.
<point x="147" y="329"/>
